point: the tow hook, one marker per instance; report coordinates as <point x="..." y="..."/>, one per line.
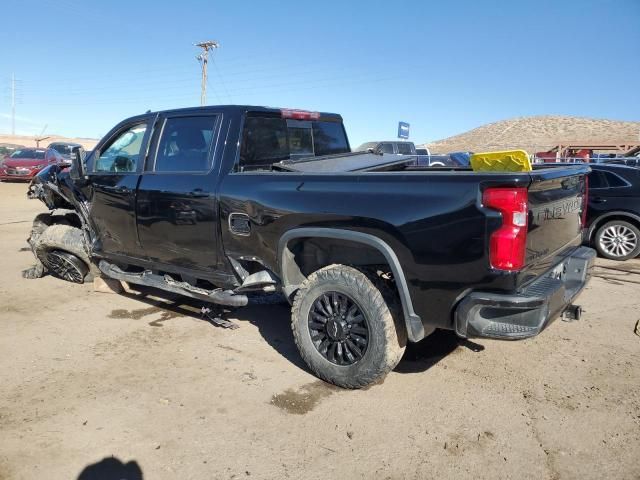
<point x="572" y="313"/>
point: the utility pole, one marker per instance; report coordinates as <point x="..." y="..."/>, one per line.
<point x="13" y="104"/>
<point x="203" y="58"/>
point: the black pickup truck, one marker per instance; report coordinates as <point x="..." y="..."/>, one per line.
<point x="371" y="250"/>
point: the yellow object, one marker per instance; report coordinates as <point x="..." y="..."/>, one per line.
<point x="507" y="161"/>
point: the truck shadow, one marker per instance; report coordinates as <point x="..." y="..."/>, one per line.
<point x="271" y="316"/>
<point x="421" y="356"/>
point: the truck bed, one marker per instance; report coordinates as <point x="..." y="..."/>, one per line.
<point x="346" y="162"/>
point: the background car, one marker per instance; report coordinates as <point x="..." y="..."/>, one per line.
<point x="65" y="148"/>
<point x="613" y="214"/>
<point x="25" y="163"/>
<point x="395" y="147"/>
<point x="629" y="161"/>
<point x="453" y="159"/>
<point x="7" y="149"/>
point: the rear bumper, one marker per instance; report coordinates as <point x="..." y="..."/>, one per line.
<point x="526" y="313"/>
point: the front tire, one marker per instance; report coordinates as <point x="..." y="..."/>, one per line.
<point x="61" y="248"/>
<point x="618" y="240"/>
<point x="346" y="326"/>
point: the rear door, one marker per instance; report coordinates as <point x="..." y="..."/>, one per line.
<point x="609" y="191"/>
<point x="177" y="210"/>
<point x="114" y="177"/>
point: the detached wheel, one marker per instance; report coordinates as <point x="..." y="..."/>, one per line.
<point x="66" y="266"/>
<point x="618" y="240"/>
<point x="61" y="249"/>
<point x="345" y="326"/>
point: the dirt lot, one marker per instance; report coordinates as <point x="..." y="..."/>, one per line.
<point x="87" y="375"/>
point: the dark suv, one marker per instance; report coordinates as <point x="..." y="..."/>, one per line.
<point x="65" y="148"/>
<point x="613" y="216"/>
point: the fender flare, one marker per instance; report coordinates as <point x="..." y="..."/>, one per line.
<point x="602" y="219"/>
<point x="415" y="328"/>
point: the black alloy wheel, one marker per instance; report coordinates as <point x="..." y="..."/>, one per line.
<point x="66" y="266"/>
<point x="339" y="329"/>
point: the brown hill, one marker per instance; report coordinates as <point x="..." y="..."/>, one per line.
<point x="29" y="141"/>
<point x="538" y="134"/>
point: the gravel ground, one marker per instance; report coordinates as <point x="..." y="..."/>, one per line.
<point x="139" y="382"/>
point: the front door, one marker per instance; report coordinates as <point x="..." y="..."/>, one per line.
<point x="114" y="178"/>
<point x="177" y="206"/>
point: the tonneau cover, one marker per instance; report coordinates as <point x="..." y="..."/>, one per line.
<point x="344" y="162"/>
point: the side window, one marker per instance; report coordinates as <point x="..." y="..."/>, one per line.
<point x="597" y="180"/>
<point x="615" y="181"/>
<point x="404" y="148"/>
<point x="185" y="144"/>
<point x="387" y="148"/>
<point x="122" y="154"/>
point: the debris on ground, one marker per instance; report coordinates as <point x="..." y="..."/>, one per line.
<point x="215" y="317"/>
<point x="107" y="285"/>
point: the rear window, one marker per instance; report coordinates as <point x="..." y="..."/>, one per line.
<point x="387" y="148"/>
<point x="267" y="140"/>
<point x="329" y="138"/>
<point x="404" y="148"/>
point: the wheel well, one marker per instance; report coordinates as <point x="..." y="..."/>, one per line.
<point x="305" y="250"/>
<point x="303" y="256"/>
<point x="618" y="216"/>
<point x="59" y="217"/>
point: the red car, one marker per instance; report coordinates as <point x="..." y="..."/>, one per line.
<point x="25" y="163"/>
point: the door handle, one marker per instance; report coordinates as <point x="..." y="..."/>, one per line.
<point x="599" y="200"/>
<point x="122" y="190"/>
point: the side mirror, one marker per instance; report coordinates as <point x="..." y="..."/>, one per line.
<point x="78" y="170"/>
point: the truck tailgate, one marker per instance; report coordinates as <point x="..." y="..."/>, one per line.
<point x="557" y="197"/>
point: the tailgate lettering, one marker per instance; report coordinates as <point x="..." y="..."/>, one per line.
<point x="559" y="211"/>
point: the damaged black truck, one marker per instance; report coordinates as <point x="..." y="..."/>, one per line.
<point x="371" y="250"/>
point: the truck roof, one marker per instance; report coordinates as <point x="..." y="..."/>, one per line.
<point x="243" y="109"/>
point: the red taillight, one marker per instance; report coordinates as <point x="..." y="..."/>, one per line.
<point x="299" y="114"/>
<point x="585" y="201"/>
<point x="508" y="244"/>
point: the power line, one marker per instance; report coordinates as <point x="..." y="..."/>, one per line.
<point x="203" y="58"/>
<point x="224" y="85"/>
<point x="13" y="104"/>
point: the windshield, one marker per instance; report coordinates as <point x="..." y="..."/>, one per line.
<point x="37" y="154"/>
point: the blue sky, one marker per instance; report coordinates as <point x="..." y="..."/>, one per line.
<point x="444" y="67"/>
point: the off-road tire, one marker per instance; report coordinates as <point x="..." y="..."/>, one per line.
<point x="378" y="303"/>
<point x="627" y="227"/>
<point x="44" y="221"/>
<point x="63" y="238"/>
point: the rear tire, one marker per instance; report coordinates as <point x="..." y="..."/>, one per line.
<point x="346" y="326"/>
<point x="618" y="240"/>
<point x="62" y="251"/>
